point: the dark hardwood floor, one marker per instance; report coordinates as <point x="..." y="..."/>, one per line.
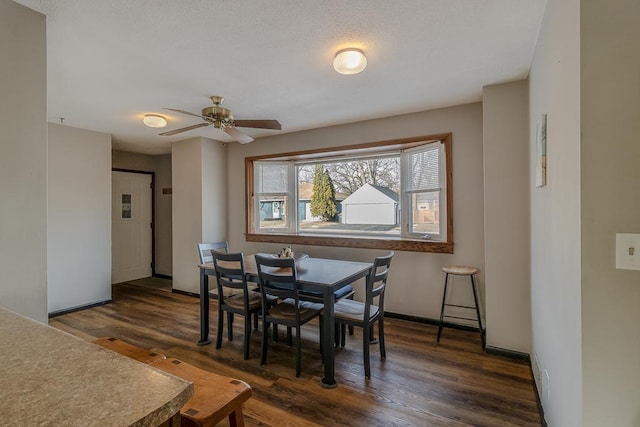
<point x="421" y="383"/>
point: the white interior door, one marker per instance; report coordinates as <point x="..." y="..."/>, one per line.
<point x="131" y="230"/>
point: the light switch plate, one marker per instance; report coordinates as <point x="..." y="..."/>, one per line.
<point x="628" y="251"/>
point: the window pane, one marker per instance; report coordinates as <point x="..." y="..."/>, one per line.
<point x="425" y="213"/>
<point x="364" y="199"/>
<point x="424" y="170"/>
<point x="273" y="210"/>
<point x="271" y="178"/>
<point x="126" y="206"/>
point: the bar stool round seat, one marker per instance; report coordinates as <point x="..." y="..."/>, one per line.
<point x="461" y="270"/>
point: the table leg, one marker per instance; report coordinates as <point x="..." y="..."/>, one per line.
<point x="204" y="308"/>
<point x="328" y="324"/>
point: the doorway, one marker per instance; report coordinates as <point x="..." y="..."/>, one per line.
<point x="131" y="225"/>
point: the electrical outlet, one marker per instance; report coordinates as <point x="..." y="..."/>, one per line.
<point x="628" y="251"/>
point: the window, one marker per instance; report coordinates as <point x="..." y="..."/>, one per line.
<point x="273" y="197"/>
<point x="390" y="194"/>
<point x="422" y="191"/>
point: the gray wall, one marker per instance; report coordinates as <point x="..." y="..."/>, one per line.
<point x="506" y="215"/>
<point x="199" y="209"/>
<point x="585" y="312"/>
<point x="161" y="166"/>
<point x="555" y="216"/>
<point x="23" y="161"/>
<point x="79" y="218"/>
<point x="610" y="196"/>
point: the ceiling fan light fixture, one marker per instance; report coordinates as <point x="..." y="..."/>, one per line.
<point x="154" y="121"/>
<point x="350" y="61"/>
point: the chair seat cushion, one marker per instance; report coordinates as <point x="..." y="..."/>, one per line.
<point x="353" y="311"/>
<point x="237" y="301"/>
<point x="286" y="310"/>
<point x="227" y="292"/>
<point x="271" y="299"/>
<point x="338" y="295"/>
<point x="343" y="292"/>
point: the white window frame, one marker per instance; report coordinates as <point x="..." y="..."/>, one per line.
<point x="290" y="194"/>
<point x="406" y="212"/>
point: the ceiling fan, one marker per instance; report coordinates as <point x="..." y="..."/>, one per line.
<point x="222" y="118"/>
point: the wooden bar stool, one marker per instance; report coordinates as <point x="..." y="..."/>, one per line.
<point x="215" y="397"/>
<point x="457" y="270"/>
<point x="129" y="350"/>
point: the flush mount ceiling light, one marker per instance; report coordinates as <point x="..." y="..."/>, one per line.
<point x="350" y="61"/>
<point x="154" y="121"/>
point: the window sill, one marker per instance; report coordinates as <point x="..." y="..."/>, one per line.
<point x="351" y="242"/>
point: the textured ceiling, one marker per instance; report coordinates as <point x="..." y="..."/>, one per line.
<point x="109" y="62"/>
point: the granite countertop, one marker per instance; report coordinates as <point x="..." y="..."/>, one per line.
<point x="49" y="377"/>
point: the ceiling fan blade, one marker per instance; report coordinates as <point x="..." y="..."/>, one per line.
<point x="261" y="124"/>
<point x="234" y="133"/>
<point x="183" y="112"/>
<point x="175" y="131"/>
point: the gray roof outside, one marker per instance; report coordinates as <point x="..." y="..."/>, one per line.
<point x="386" y="191"/>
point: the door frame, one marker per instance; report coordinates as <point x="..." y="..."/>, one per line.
<point x="153" y="212"/>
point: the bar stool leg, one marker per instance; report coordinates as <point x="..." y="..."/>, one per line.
<point x="475" y="298"/>
<point x="444" y="297"/>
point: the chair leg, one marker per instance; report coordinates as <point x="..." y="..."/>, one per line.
<point x="265" y="337"/>
<point x="383" y="352"/>
<point x="351" y="327"/>
<point x="321" y="341"/>
<point x="298" y="350"/>
<point x="444" y="297"/>
<point x="289" y="338"/>
<point x="475" y="298"/>
<point x="220" y="328"/>
<point x="247" y="335"/>
<point x="372" y="336"/>
<point x="236" y="418"/>
<point x="255" y="320"/>
<point x="230" y="325"/>
<point x="365" y="351"/>
<point x="275" y="332"/>
<point x="343" y="334"/>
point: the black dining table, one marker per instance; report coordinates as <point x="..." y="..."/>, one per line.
<point x="323" y="276"/>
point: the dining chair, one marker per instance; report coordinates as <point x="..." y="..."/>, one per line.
<point x="366" y="314"/>
<point x="345" y="292"/>
<point x="278" y="278"/>
<point x="230" y="274"/>
<point x="204" y="250"/>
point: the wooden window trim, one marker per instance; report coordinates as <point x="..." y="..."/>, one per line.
<point x="401" y="244"/>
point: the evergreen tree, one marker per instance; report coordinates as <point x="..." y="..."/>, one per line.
<point x="323" y="198"/>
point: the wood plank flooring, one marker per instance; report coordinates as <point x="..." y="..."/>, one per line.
<point x="421" y="383"/>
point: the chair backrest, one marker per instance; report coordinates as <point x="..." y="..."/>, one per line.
<point x="278" y="277"/>
<point x="230" y="273"/>
<point x="204" y="250"/>
<point x="377" y="282"/>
